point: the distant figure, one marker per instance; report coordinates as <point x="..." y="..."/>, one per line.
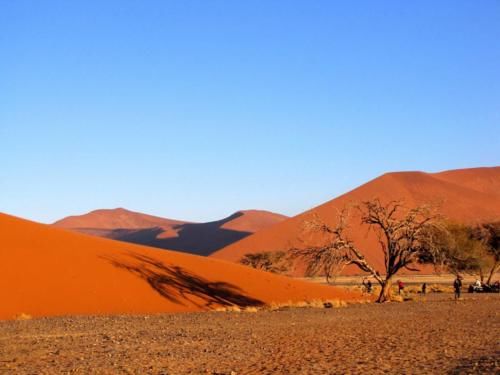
<point x="457" y="285"/>
<point x="369" y="286"/>
<point x="424" y="288"/>
<point x="478" y="283"/>
<point x="401" y="286"/>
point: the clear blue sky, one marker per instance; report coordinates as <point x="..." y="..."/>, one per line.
<point x="195" y="109"/>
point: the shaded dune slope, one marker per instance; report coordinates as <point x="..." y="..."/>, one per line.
<point x="197" y="238"/>
<point x="469" y="196"/>
<point x="49" y="271"/>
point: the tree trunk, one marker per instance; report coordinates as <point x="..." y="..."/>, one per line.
<point x="385" y="292"/>
<point x="492" y="272"/>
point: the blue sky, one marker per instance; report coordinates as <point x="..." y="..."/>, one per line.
<point x="196" y="109"/>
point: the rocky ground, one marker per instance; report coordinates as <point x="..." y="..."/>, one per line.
<point x="437" y="336"/>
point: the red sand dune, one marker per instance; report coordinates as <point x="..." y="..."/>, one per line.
<point x="197" y="238"/>
<point x="467" y="195"/>
<point x="115" y="218"/>
<point x="49" y="271"/>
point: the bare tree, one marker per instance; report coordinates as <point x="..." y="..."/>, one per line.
<point x="271" y="261"/>
<point x="402" y="236"/>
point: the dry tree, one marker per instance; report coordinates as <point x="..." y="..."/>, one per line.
<point x="402" y="235"/>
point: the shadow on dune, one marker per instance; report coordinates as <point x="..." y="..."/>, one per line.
<point x="177" y="284"/>
<point x="201" y="239"/>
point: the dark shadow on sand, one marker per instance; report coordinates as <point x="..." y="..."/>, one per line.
<point x="200" y="239"/>
<point x="176" y="284"/>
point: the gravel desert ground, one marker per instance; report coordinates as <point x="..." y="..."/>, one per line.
<point x="437" y="336"/>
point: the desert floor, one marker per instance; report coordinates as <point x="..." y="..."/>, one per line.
<point x="435" y="336"/>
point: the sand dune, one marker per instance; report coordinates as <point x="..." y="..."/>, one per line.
<point x="115" y="218"/>
<point x="468" y="195"/>
<point x="196" y="238"/>
<point x="50" y="271"/>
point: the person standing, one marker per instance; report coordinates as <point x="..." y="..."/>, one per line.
<point x="457" y="285"/>
<point x="424" y="288"/>
<point x="401" y="286"/>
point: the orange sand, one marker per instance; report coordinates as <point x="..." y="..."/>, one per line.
<point x="50" y="271"/>
<point x="115" y="218"/>
<point x="196" y="238"/>
<point x="467" y="195"/>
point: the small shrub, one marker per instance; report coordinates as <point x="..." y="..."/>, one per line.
<point x="270" y="261"/>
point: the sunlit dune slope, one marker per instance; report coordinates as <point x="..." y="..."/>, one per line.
<point x="50" y="271"/>
<point x="467" y="195"/>
<point x="115" y="218"/>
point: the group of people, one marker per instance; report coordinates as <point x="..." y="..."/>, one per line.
<point x="457" y="286"/>
<point x="367" y="286"/>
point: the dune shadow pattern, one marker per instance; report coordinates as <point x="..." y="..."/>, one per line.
<point x="196" y="238"/>
<point x="176" y="284"/>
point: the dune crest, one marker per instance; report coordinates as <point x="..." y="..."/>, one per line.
<point x="465" y="195"/>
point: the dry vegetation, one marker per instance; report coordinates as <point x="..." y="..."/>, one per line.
<point x="314" y="303"/>
<point x="406" y="237"/>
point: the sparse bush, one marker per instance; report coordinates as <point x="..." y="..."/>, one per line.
<point x="271" y="261"/>
<point x="489" y="235"/>
<point x="461" y="249"/>
<point x="274" y="306"/>
<point x="315" y="303"/>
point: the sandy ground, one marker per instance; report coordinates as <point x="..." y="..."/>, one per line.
<point x="436" y="336"/>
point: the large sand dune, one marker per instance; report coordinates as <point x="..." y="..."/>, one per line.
<point x="196" y="238"/>
<point x="467" y="195"/>
<point x="50" y="271"/>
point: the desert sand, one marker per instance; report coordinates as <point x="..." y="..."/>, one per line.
<point x="196" y="238"/>
<point x="50" y="271"/>
<point x="114" y="219"/>
<point x="467" y="195"/>
<point x="438" y="336"/>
